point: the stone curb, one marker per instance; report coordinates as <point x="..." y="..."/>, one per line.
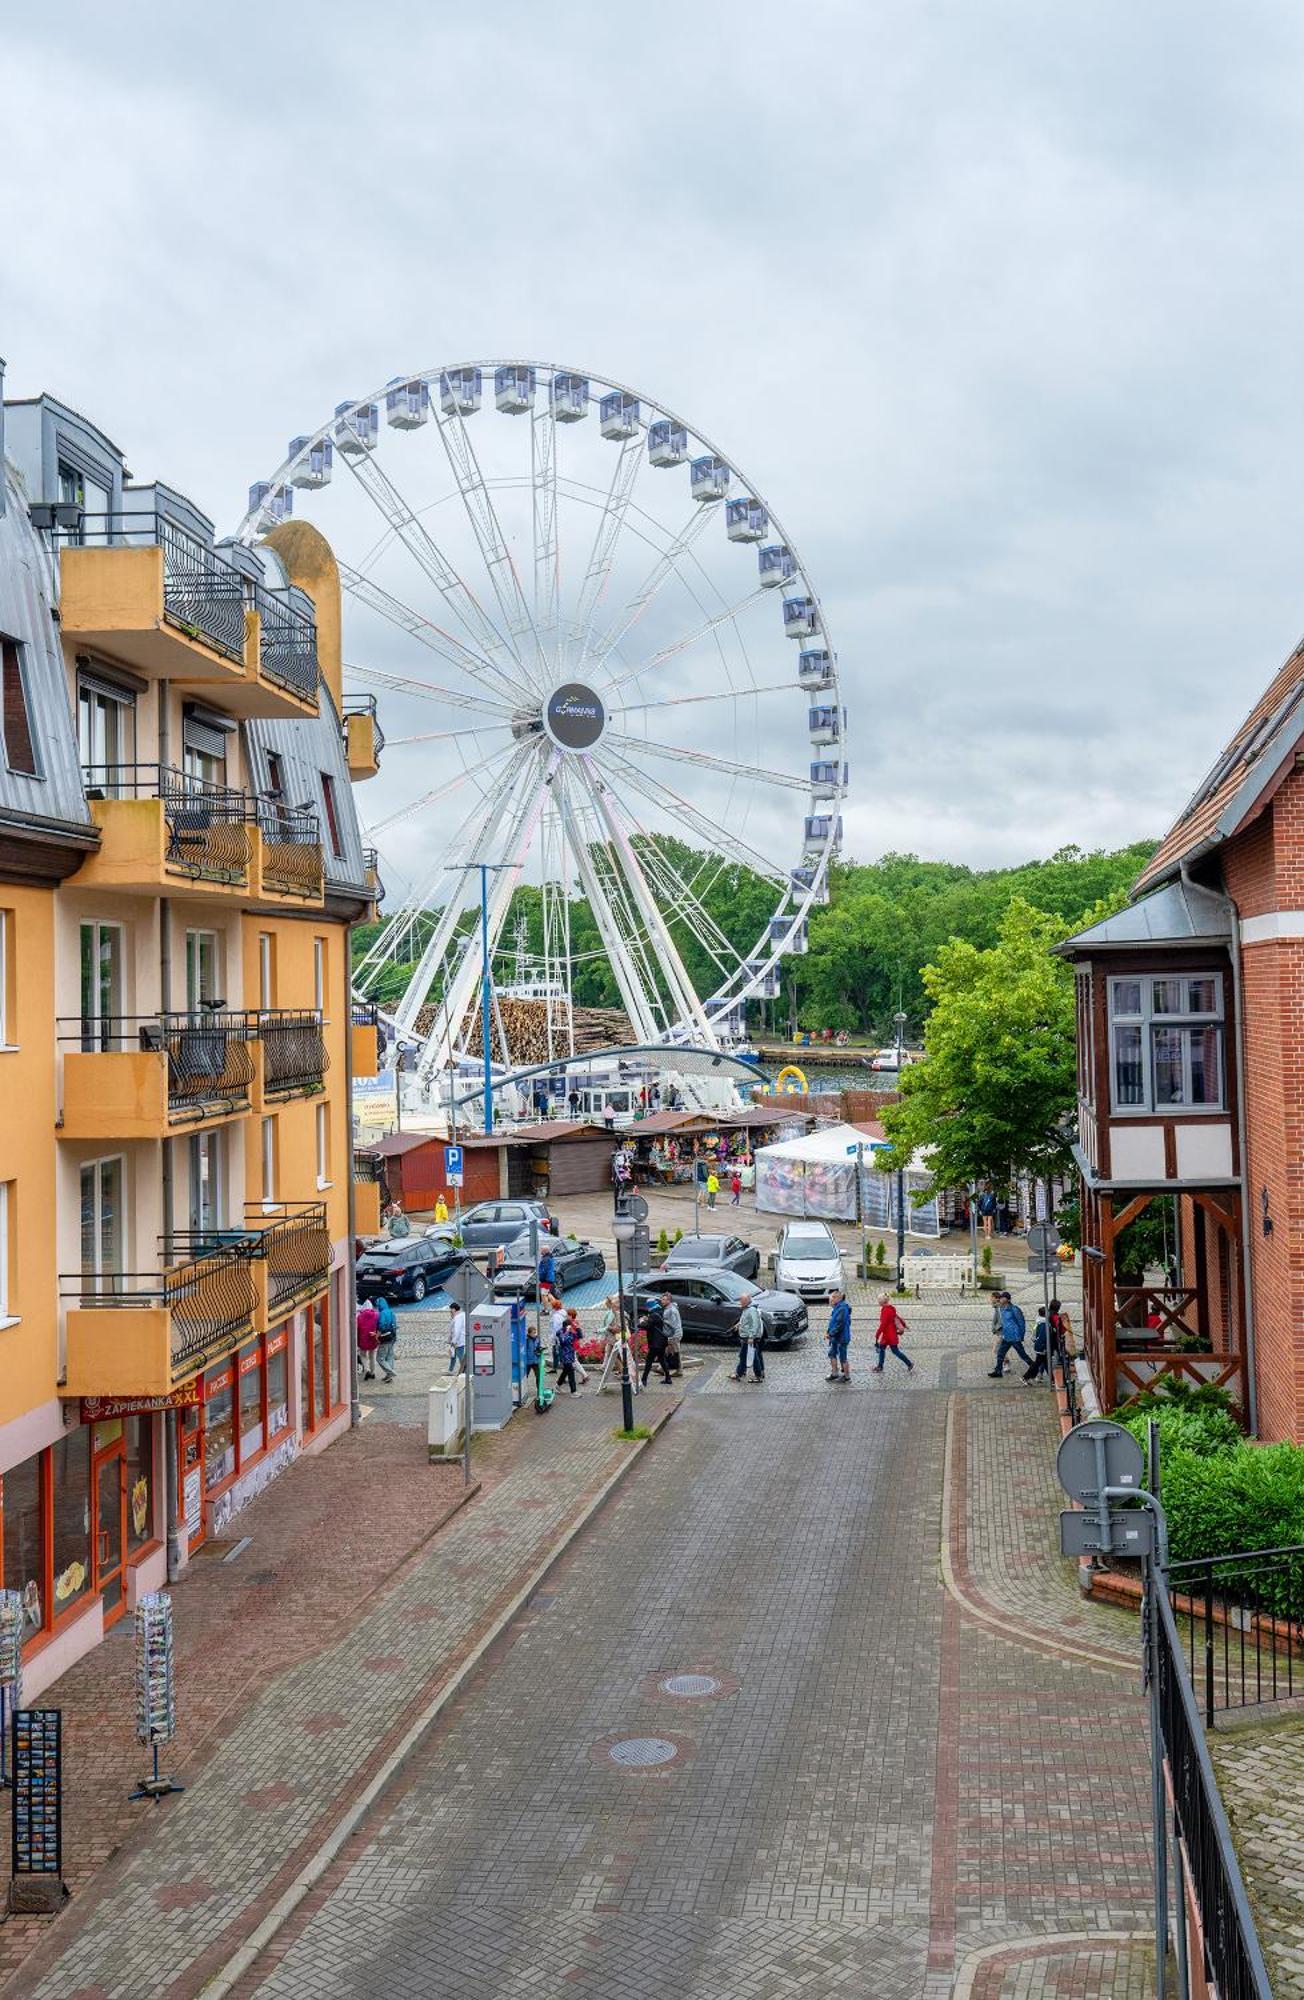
<point x="246" y="1956"/>
<point x="1048" y="1944"/>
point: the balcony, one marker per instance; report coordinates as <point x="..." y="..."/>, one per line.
<point x="294" y="1060"/>
<point x="291" y="1247"/>
<point x="364" y="738"/>
<point x="148" y="1333"/>
<point x="291" y="865"/>
<point x="364" y="1039"/>
<point x="134" y="1077"/>
<point x="146" y="591"/>
<point x="366" y="1194"/>
<point x="375" y="887"/>
<point x="161" y="829"/>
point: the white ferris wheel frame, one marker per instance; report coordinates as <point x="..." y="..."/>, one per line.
<point x="517" y="645"/>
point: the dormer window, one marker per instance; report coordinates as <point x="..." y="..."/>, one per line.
<point x="1165" y="1043"/>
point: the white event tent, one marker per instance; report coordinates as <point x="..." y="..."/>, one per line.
<point x="816" y="1176"/>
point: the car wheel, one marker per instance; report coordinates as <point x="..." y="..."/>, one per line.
<point x="418" y="1290"/>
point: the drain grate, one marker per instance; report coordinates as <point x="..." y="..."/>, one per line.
<point x="640" y="1753"/>
<point x="690" y="1687"/>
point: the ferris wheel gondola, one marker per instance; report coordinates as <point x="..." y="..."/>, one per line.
<point x="619" y="715"/>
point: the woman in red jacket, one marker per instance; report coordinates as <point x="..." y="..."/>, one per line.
<point x="887" y="1339"/>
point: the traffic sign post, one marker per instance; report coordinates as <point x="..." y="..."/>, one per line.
<point x="453" y="1166"/>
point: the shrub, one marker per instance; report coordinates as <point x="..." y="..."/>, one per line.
<point x="679" y="1236"/>
<point x="880" y="1256"/>
<point x="663" y="1243"/>
<point x="1206" y="1432"/>
<point x="986" y="1260"/>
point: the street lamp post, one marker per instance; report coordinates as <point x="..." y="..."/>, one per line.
<point x="900" y="1021"/>
<point x="623" y="1228"/>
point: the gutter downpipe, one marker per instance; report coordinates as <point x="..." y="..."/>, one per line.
<point x="1242" y="1141"/>
<point x="350" y="1257"/>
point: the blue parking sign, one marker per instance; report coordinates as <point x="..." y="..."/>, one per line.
<point x="453" y="1166"/>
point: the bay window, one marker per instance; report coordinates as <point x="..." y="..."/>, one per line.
<point x="1166" y="1042"/>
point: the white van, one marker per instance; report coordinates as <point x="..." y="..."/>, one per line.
<point x="807" y="1261"/>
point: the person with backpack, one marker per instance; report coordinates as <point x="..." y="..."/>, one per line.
<point x="563" y="1350"/>
<point x="387" y="1331"/>
<point x="839" y="1339"/>
<point x="1013" y="1328"/>
<point x="751" y="1337"/>
<point x="1040" y="1348"/>
<point x="368" y="1339"/>
<point x="887" y="1337"/>
<point x="652" y="1326"/>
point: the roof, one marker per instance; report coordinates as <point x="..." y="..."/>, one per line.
<point x="1179" y="913"/>
<point x="756" y="1115"/>
<point x="1243" y="777"/>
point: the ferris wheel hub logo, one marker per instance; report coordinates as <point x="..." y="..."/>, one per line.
<point x="574" y="717"/>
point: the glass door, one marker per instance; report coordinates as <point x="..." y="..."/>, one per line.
<point x="109" y="1487"/>
<point x="203" y="970"/>
<point x="102" y="1224"/>
<point x="101" y="986"/>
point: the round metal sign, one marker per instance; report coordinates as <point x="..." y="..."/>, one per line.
<point x="1099" y="1454"/>
<point x="574" y="716"/>
<point x="636" y="1207"/>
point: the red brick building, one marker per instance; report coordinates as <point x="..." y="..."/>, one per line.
<point x="1191" y="1085"/>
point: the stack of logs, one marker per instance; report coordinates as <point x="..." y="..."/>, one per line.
<point x="526" y="1025"/>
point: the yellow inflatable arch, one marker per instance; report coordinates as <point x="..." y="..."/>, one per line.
<point x="791" y="1081"/>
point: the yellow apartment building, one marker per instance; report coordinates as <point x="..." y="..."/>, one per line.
<point x="180" y="863"/>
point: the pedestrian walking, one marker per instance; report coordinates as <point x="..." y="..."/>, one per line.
<point x="751" y="1339"/>
<point x="547" y="1270"/>
<point x="577" y="1335"/>
<point x="1040" y="1348"/>
<point x="887" y="1337"/>
<point x="652" y="1326"/>
<point x="564" y="1354"/>
<point x="457" y="1340"/>
<point x="839" y="1339"/>
<point x="387" y="1332"/>
<point x="368" y="1339"/>
<point x="735" y="1188"/>
<point x="712" y="1187"/>
<point x="674" y="1332"/>
<point x="1013" y="1328"/>
<point x="441" y="1209"/>
<point x="987" y="1208"/>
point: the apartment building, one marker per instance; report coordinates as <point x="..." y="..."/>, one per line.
<point x="180" y="862"/>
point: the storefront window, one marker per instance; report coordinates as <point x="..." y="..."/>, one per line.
<point x="305" y="1372"/>
<point x="71" y="1464"/>
<point x="138" y="1445"/>
<point x="321" y="1336"/>
<point x="337" y="1393"/>
<point x="278" y="1383"/>
<point x="219" y="1428"/>
<point x="251" y="1403"/>
<point x="23" y="1537"/>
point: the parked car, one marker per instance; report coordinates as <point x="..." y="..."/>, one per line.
<point x="807" y="1260"/>
<point x="406" y="1267"/>
<point x="716" y="1253"/>
<point x="492" y="1225"/>
<point x="710" y="1302"/>
<point x="577" y="1261"/>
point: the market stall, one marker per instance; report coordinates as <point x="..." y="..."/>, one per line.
<point x="816" y="1176"/>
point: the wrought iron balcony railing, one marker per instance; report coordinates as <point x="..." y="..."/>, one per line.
<point x="295" y="1061"/>
<point x="209" y="1061"/>
<point x="292" y="1236"/>
<point x="208" y="1291"/>
<point x="365" y="704"/>
<point x="209" y="827"/>
<point x="293" y="863"/>
<point x="203" y="594"/>
<point x="289" y="643"/>
<point x="366" y="1168"/>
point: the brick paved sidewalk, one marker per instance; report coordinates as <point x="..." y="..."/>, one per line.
<point x="1261" y="1778"/>
<point x="275" y="1756"/>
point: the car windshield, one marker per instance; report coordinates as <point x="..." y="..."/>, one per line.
<point x="808" y="1249"/>
<point x="518" y="1252"/>
<point x="730" y="1283"/>
<point x="385" y="1253"/>
<point x="696" y="1250"/>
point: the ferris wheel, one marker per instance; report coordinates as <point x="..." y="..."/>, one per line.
<point x="608" y="678"/>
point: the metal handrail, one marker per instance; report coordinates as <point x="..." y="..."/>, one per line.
<point x="203" y="594"/>
<point x="210" y="1297"/>
<point x="364" y="704"/>
<point x="208" y="1058"/>
<point x="288" y="645"/>
<point x="1232" y="1953"/>
<point x="1245" y="1625"/>
<point x="208" y="826"/>
<point x="295" y="1055"/>
<point x="293" y="861"/>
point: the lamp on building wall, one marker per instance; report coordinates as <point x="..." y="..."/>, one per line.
<point x="1263" y="1204"/>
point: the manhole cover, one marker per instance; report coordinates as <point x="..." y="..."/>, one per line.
<point x="690" y="1686"/>
<point x="641" y="1752"/>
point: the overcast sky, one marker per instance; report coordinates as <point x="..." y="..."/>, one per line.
<point x="998" y="301"/>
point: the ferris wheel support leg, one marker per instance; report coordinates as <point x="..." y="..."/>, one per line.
<point x="631" y="990"/>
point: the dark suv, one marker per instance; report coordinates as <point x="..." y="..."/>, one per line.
<point x="716" y="1253"/>
<point x="710" y="1303"/>
<point x="406" y="1267"/>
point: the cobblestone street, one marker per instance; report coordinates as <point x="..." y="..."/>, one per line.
<point x="748" y="1735"/>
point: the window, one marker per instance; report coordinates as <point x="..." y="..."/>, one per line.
<point x="320" y="1388"/>
<point x="203" y="969"/>
<point x="22" y="1534"/>
<point x="205" y="1181"/>
<point x="101" y="985"/>
<point x="106" y="734"/>
<point x="1166" y="1042"/>
<point x="275" y="776"/>
<point x="8" y="1239"/>
<point x="266" y="971"/>
<point x="203" y="748"/>
<point x="332" y="813"/>
<point x="251" y="1403"/>
<point x="319" y="974"/>
<point x="269" y="1159"/>
<point x="219" y="1426"/>
<point x="278" y="1382"/>
<point x="71" y="1498"/>
<point x="20" y="748"/>
<point x="103" y="1229"/>
<point x="323" y="1145"/>
<point x="138" y="1453"/>
<point x="8" y="1016"/>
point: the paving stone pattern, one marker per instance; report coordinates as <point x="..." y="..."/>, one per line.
<point x="1076" y="1974"/>
<point x="1261" y="1778"/>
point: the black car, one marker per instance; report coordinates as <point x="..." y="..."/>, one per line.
<point x="710" y="1302"/>
<point x="715" y="1253"/>
<point x="406" y="1267"/>
<point x="576" y="1261"/>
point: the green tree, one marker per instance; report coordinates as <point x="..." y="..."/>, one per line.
<point x="998" y="1076"/>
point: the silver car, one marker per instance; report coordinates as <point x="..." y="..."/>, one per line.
<point x="494" y="1224"/>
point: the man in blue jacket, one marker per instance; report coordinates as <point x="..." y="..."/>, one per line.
<point x="1013" y="1328"/>
<point x="839" y="1339"/>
